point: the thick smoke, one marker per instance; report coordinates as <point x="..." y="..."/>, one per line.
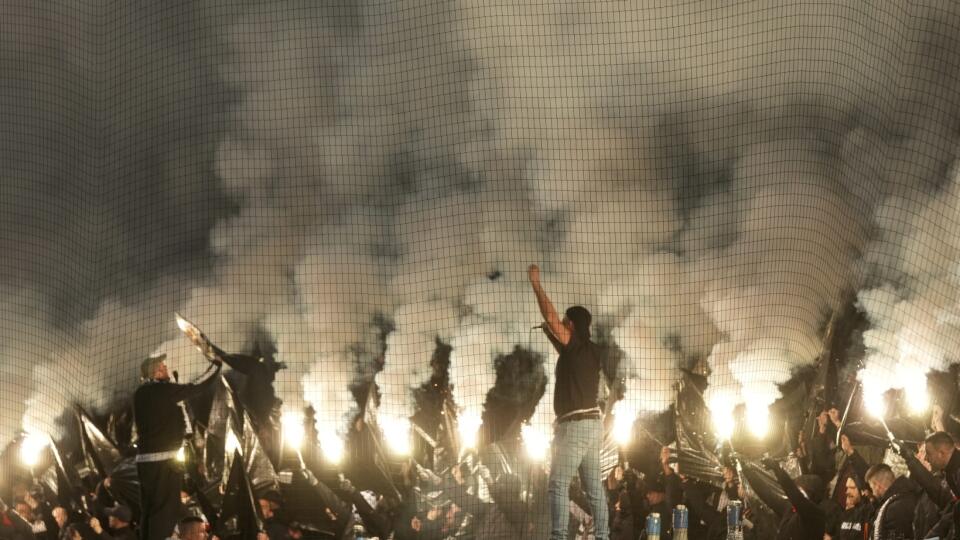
<point x="706" y="181"/>
<point x="914" y="316"/>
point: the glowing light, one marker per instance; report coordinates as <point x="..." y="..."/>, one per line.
<point x="467" y="425"/>
<point x="396" y="431"/>
<point x="31" y="448"/>
<point x="874" y="403"/>
<point x="915" y="390"/>
<point x="535" y="441"/>
<point x="333" y="448"/>
<point x="181" y="455"/>
<point x="293" y="432"/>
<point x="721" y="412"/>
<point x="758" y="420"/>
<point x="232" y="443"/>
<point x="623" y="418"/>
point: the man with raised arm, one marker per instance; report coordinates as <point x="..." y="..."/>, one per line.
<point x="578" y="429"/>
<point x="161" y="426"/>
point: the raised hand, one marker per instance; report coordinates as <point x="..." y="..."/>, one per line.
<point x="533" y="273"/>
<point x="846" y="445"/>
<point x="834" y="416"/>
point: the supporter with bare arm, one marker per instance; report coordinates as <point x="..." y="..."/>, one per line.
<point x="578" y="429"/>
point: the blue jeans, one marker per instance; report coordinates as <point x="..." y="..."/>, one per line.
<point x="576" y="447"/>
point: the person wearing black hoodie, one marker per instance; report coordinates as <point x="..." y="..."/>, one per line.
<point x="807" y="519"/>
<point x="857" y="513"/>
<point x="855" y="521"/>
<point x="897" y="499"/>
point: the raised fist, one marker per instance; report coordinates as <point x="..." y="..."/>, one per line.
<point x="533" y="272"/>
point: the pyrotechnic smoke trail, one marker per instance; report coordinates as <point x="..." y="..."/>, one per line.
<point x="704" y="180"/>
<point x="914" y="313"/>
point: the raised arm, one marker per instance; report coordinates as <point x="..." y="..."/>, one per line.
<point x="550" y="315"/>
<point x="804" y="506"/>
<point x="180" y="392"/>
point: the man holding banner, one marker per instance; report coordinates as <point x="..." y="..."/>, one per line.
<point x="161" y="426"/>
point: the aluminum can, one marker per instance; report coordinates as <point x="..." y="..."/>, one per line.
<point x="653" y="526"/>
<point x="734" y="514"/>
<point x="681" y="522"/>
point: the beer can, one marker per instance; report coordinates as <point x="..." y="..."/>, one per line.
<point x="653" y="525"/>
<point x="734" y="515"/>
<point x="681" y="517"/>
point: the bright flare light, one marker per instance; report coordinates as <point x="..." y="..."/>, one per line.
<point x="31" y="447"/>
<point x="915" y="391"/>
<point x="721" y="411"/>
<point x="333" y="448"/>
<point x="875" y="404"/>
<point x="623" y="418"/>
<point x="536" y="442"/>
<point x="181" y="455"/>
<point x="758" y="420"/>
<point x="293" y="432"/>
<point x="396" y="431"/>
<point x="232" y="443"/>
<point x="467" y="425"/>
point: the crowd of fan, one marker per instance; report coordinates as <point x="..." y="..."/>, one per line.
<point x="838" y="494"/>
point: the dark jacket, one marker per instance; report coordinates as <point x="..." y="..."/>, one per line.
<point x="936" y="488"/>
<point x="806" y="520"/>
<point x="125" y="533"/>
<point x="159" y="418"/>
<point x="895" y="510"/>
<point x="952" y="474"/>
<point x="854" y="523"/>
<point x="926" y="517"/>
<point x="705" y="521"/>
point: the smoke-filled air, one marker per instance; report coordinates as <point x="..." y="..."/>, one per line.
<point x="361" y="181"/>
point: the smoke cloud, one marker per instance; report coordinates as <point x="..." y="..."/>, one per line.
<point x="709" y="182"/>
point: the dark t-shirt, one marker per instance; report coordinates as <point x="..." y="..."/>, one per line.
<point x="577" y="377"/>
<point x="157" y="414"/>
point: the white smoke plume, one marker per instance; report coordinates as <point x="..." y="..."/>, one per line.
<point x="704" y="180"/>
<point x="915" y="313"/>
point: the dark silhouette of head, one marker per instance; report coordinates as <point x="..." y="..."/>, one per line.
<point x="580" y="320"/>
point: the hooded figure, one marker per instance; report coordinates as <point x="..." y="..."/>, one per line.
<point x="857" y="515"/>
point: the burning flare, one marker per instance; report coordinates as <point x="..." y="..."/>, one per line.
<point x="333" y="448"/>
<point x="758" y="420"/>
<point x="623" y="418"/>
<point x="31" y="448"/>
<point x="468" y="424"/>
<point x="396" y="431"/>
<point x="536" y="441"/>
<point x="721" y="411"/>
<point x="293" y="432"/>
